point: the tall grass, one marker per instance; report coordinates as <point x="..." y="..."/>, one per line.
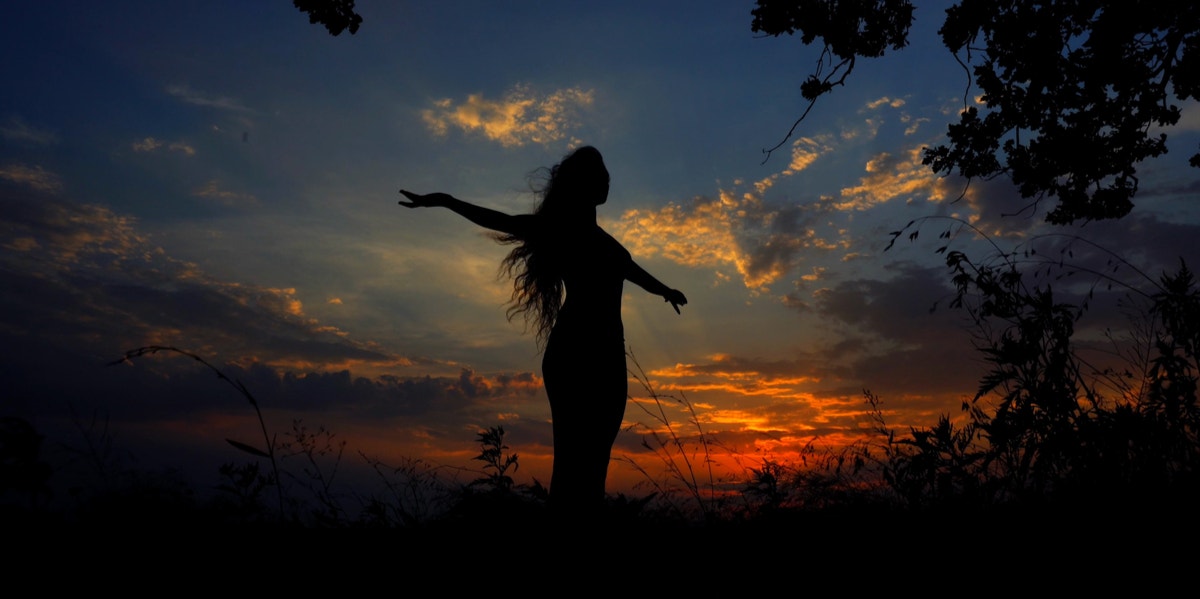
<point x="689" y="485"/>
<point x="268" y="440"/>
<point x="304" y="475"/>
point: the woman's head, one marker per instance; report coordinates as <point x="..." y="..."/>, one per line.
<point x="580" y="181"/>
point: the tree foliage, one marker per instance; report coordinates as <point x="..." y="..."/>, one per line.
<point x="336" y="15"/>
<point x="865" y="28"/>
<point x="1074" y="93"/>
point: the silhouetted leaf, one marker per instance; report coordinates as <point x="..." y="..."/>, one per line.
<point x="248" y="449"/>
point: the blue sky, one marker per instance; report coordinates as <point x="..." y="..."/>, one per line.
<point x="222" y="177"/>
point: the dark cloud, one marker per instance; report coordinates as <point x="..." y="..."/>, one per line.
<point x="777" y="238"/>
<point x="897" y="308"/>
<point x="1109" y="268"/>
<point x="930" y="371"/>
<point x="83" y="275"/>
<point x="1175" y="190"/>
<point x="1148" y="243"/>
<point x="900" y="336"/>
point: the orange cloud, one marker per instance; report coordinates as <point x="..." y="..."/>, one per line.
<point x="885" y="101"/>
<point x="706" y="234"/>
<point x="730" y="379"/>
<point x="805" y="151"/>
<point x="745" y="426"/>
<point x="521" y="117"/>
<point x="890" y="177"/>
<point x="698" y="235"/>
<point x="761" y="243"/>
<point x="815" y="275"/>
<point x="913" y="124"/>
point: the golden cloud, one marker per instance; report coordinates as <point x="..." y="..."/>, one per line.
<point x="805" y="151"/>
<point x="735" y="230"/>
<point x="912" y="124"/>
<point x="520" y="118"/>
<point x="890" y="177"/>
<point x="731" y="377"/>
<point x="885" y="101"/>
<point x="816" y="273"/>
<point x="700" y="235"/>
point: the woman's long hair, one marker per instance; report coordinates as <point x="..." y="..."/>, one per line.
<point x="534" y="264"/>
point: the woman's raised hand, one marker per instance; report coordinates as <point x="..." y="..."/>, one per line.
<point x="416" y="200"/>
<point x="676" y="298"/>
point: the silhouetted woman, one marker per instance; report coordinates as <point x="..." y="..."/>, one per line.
<point x="560" y="248"/>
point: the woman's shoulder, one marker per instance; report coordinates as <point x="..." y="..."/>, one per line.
<point x="608" y="239"/>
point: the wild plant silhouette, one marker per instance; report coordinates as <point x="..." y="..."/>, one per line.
<point x="1047" y="425"/>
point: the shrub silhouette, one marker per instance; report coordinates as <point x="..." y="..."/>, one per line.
<point x="1061" y="429"/>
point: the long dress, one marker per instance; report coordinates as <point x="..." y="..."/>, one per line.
<point x="584" y="367"/>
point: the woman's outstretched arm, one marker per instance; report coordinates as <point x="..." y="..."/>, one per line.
<point x="484" y="217"/>
<point x="646" y="281"/>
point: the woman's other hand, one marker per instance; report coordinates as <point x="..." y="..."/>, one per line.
<point x="676" y="298"/>
<point x="416" y="200"/>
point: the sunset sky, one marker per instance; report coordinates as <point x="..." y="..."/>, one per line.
<point x="222" y="177"/>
